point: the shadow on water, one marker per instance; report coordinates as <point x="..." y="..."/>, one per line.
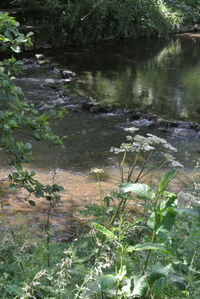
<point x="150" y="75"/>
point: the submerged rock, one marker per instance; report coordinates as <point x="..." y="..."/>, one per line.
<point x="95" y="109"/>
<point x="88" y="103"/>
<point x="143" y="122"/>
<point x="67" y="74"/>
<point x="184" y="132"/>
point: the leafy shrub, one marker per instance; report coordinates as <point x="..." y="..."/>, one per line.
<point x="91" y="21"/>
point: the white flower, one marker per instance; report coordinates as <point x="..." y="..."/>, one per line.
<point x="170" y="147"/>
<point x="176" y="164"/>
<point x="125" y="147"/>
<point x="97" y="170"/>
<point x="157" y="140"/>
<point x="129" y="138"/>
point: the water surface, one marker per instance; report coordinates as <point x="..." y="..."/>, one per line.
<point x="153" y="76"/>
<point x="149" y="75"/>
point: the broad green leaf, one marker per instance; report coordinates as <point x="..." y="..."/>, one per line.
<point x="105" y="231"/>
<point x="140" y="287"/>
<point x="107" y="282"/>
<point x="148" y="246"/>
<point x="157" y="272"/>
<point x="151" y="220"/>
<point x="168" y="219"/>
<point x="165" y="181"/>
<point x="142" y="190"/>
<point x="159" y="287"/>
<point x="178" y="281"/>
<point x="169" y="200"/>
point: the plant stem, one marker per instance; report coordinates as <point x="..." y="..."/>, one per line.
<point x="143" y="166"/>
<point x="117" y="212"/>
<point x="122" y="167"/>
<point x="48" y="236"/>
<point x="100" y="190"/>
<point x="132" y="167"/>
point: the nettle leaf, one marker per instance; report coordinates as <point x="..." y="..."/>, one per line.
<point x="142" y="190"/>
<point x="126" y="287"/>
<point x="151" y="220"/>
<point x="105" y="231"/>
<point x="165" y="181"/>
<point x="168" y="220"/>
<point x="177" y="280"/>
<point x="169" y="200"/>
<point x="159" y="287"/>
<point x="107" y="282"/>
<point x="140" y="287"/>
<point x="148" y="246"/>
<point x="157" y="272"/>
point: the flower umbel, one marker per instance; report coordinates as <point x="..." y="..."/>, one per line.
<point x="97" y="171"/>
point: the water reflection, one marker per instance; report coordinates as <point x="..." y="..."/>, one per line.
<point x="156" y="76"/>
<point x="152" y="76"/>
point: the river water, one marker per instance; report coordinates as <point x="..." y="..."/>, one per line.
<point x="152" y="76"/>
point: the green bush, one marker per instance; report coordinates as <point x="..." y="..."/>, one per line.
<point x="91" y="21"/>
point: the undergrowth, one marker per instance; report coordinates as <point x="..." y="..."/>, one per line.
<point x="154" y="254"/>
<point x="91" y="21"/>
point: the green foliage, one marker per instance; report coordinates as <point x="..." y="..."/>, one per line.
<point x="130" y="258"/>
<point x="91" y="21"/>
<point x="111" y="260"/>
<point x="189" y="10"/>
<point x="19" y="119"/>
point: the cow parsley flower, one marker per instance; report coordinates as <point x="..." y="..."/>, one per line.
<point x="176" y="164"/>
<point x="125" y="147"/>
<point x="157" y="140"/>
<point x="168" y="157"/>
<point x="97" y="171"/>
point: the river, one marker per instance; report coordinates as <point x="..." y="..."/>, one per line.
<point x="152" y="76"/>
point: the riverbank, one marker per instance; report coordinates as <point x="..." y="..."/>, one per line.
<point x="91" y="22"/>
